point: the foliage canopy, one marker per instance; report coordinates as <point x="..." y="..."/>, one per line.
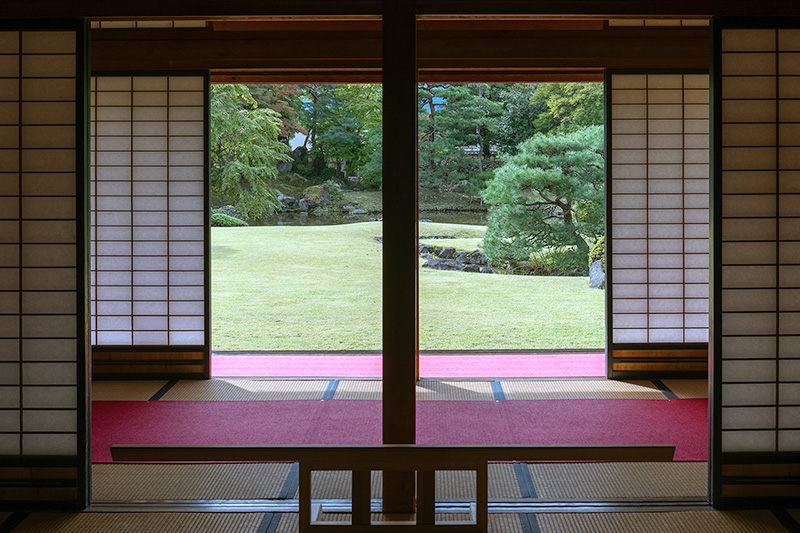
<point x="452" y="117"/>
<point x="245" y="150"/>
<point x="339" y="119"/>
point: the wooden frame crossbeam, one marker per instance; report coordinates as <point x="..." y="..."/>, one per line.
<point x="291" y="53"/>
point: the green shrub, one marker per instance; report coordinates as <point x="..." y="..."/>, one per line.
<point x="598" y="252"/>
<point x="226" y="221"/>
<point x="553" y="263"/>
<point x="561" y="263"/>
<point x="334" y="188"/>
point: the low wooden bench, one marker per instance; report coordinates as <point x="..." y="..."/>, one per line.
<point x="362" y="460"/>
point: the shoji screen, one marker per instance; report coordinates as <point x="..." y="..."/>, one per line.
<point x="658" y="157"/>
<point x="757" y="271"/>
<point x="148" y="219"/>
<point x="43" y="344"/>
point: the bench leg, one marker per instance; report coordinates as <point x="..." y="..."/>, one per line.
<point x="482" y="496"/>
<point x="304" y="502"/>
<point x="362" y="489"/>
<point x="426" y="497"/>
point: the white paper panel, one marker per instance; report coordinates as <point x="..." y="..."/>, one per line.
<point x="659" y="222"/>
<point x="148" y="210"/>
<point x="747" y="441"/>
<point x="761" y="242"/>
<point x="39" y="282"/>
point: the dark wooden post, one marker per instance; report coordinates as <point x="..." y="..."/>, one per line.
<point x="400" y="263"/>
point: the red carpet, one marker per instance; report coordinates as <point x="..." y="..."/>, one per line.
<point x="551" y="365"/>
<point x="680" y="422"/>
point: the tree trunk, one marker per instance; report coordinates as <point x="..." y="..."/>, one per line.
<point x="313" y="133"/>
<point x="431" y="134"/>
<point x="480" y="148"/>
<point x="480" y="137"/>
<point x="583" y="246"/>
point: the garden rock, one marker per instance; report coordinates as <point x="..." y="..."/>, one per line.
<point x="356" y="212"/>
<point x="471" y="268"/>
<point x="478" y="258"/>
<point x="447" y="253"/>
<point x="289" y="202"/>
<point x="443" y="264"/>
<point x="486" y="270"/>
<point x="347" y="208"/>
<point x="302" y="205"/>
<point x="461" y="256"/>
<point x="317" y="195"/>
<point x="425" y="249"/>
<point x="230" y="211"/>
<point x="597" y="278"/>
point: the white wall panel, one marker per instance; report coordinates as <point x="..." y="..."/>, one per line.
<point x="148" y="217"/>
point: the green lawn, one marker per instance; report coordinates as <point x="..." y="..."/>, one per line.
<point x="319" y="288"/>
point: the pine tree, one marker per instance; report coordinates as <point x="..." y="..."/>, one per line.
<point x="549" y="196"/>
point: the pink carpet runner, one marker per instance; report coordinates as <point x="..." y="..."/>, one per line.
<point x="550" y="365"/>
<point x="679" y="422"/>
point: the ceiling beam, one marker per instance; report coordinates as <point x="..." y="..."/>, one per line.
<point x="422" y="25"/>
<point x="425" y="76"/>
<point x="618" y="47"/>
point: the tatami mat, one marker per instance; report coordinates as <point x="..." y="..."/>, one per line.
<point x="588" y="389"/>
<point x="679" y="522"/>
<point x="141" y="523"/>
<point x="359" y="390"/>
<point x="609" y="481"/>
<point x="125" y="482"/>
<point x="289" y="523"/>
<point x="498" y="523"/>
<point x="503" y="481"/>
<point x="455" y="390"/>
<point x="687" y="388"/>
<point x="246" y="389"/>
<point x="233" y="389"/>
<point x="426" y="390"/>
<point x="671" y="522"/>
<point x="577" y="481"/>
<point x="505" y="523"/>
<point x="131" y="391"/>
<point x="455" y="484"/>
<point x="338" y="484"/>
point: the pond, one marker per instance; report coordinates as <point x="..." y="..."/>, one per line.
<point x="304" y="219"/>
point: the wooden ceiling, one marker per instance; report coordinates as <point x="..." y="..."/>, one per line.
<point x="344" y="9"/>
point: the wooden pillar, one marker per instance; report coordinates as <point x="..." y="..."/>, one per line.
<point x="400" y="263"/>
